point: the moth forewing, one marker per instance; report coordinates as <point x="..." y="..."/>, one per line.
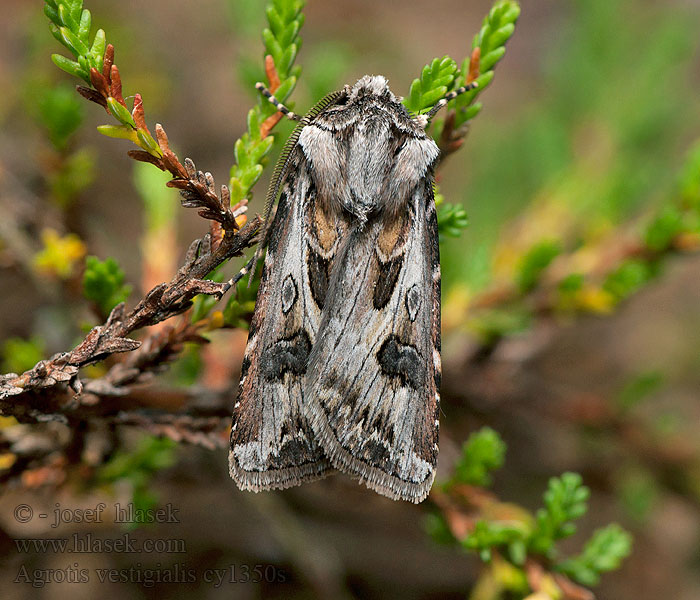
<point x="272" y="445"/>
<point x="372" y="367"/>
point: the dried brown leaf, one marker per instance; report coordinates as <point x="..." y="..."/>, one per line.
<point x="99" y="82"/>
<point x="271" y="73"/>
<point x="269" y="123"/>
<point x="474" y="60"/>
<point x="108" y="62"/>
<point x="92" y="95"/>
<point x="138" y="113"/>
<point x="115" y="88"/>
<point x="144" y="156"/>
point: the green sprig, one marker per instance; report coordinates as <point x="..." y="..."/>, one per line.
<point x="488" y="535"/>
<point x="630" y="276"/>
<point x="603" y="552"/>
<point x="496" y="30"/>
<point x="565" y="501"/>
<point x="238" y="313"/>
<point x="70" y="25"/>
<point x="534" y="262"/>
<point x="441" y="75"/>
<point x="103" y="283"/>
<point x="435" y="80"/>
<point x="483" y="452"/>
<point x="282" y="42"/>
<point x="515" y="534"/>
<point x="452" y="218"/>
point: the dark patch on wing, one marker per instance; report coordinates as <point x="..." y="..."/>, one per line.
<point x="364" y="416"/>
<point x="296" y="450"/>
<point x="403" y="362"/>
<point x="318" y="276"/>
<point x="289" y="293"/>
<point x="381" y="424"/>
<point x="278" y="224"/>
<point x="252" y="329"/>
<point x="288" y="355"/>
<point x="284" y="430"/>
<point x="413" y="302"/>
<point x="330" y="379"/>
<point x="292" y="453"/>
<point x="387" y="277"/>
<point x="352" y="397"/>
<point x="377" y="454"/>
<point x="245" y="365"/>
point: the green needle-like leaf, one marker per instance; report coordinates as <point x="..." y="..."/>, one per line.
<point x="103" y="283"/>
<point x="603" y="552"/>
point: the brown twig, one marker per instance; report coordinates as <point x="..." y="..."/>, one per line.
<point x="208" y="432"/>
<point x="36" y="394"/>
<point x="162" y="302"/>
<point x="197" y="188"/>
<point x="152" y="357"/>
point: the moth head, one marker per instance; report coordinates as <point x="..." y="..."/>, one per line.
<point x="371" y="85"/>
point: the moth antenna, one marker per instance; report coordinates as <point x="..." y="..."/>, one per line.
<point x="276" y="103"/>
<point x="447" y="97"/>
<point x="238" y="276"/>
<point x="282" y="165"/>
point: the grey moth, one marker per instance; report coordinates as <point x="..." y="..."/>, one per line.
<point x="342" y="366"/>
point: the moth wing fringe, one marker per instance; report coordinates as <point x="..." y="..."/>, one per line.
<point x="260" y="481"/>
<point x="374" y="478"/>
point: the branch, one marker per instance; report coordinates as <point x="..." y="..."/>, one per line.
<point x="225" y="240"/>
<point x="550" y="282"/>
<point x="208" y="432"/>
<point x="162" y="302"/>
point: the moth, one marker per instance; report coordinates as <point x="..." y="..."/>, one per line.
<point x="342" y="366"/>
